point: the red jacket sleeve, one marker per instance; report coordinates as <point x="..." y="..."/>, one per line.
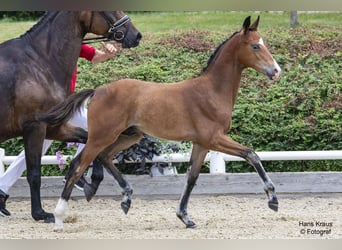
<point x="87" y="52"/>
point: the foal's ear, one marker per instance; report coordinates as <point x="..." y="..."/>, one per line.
<point x="246" y="24"/>
<point x="254" y="26"/>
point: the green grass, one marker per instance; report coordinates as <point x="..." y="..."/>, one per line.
<point x="9" y="29"/>
<point x="225" y="21"/>
<point x="156" y="22"/>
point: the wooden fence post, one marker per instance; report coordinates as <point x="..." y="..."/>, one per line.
<point x="217" y="163"/>
<point x="294" y="18"/>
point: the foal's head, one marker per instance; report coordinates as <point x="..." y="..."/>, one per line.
<point x="253" y="53"/>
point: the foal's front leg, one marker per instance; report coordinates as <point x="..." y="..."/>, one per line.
<point x="197" y="157"/>
<point x="228" y="146"/>
<point x="253" y="159"/>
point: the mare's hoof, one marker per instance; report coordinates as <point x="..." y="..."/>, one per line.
<point x="89" y="191"/>
<point x="46" y="217"/>
<point x="125" y="206"/>
<point x="49" y="220"/>
<point x="273" y="205"/>
<point x="191" y="224"/>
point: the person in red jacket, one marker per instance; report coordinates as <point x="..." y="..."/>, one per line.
<point x="18" y="166"/>
<point x="93" y="55"/>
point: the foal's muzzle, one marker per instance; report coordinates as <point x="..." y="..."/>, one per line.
<point x="273" y="72"/>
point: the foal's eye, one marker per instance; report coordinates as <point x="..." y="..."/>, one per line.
<point x="255" y="46"/>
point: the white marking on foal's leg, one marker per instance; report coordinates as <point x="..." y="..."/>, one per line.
<point x="59" y="214"/>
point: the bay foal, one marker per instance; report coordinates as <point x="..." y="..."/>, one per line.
<point x="197" y="110"/>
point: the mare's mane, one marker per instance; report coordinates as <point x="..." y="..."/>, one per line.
<point x="213" y="55"/>
<point x="42" y="22"/>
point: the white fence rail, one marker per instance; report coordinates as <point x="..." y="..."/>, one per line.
<point x="217" y="160"/>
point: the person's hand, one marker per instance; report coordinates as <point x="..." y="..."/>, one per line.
<point x="107" y="52"/>
<point x="109" y="48"/>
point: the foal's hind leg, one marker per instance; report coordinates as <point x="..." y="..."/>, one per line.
<point x="123" y="142"/>
<point x="197" y="157"/>
<point x="228" y="146"/>
<point x="67" y="132"/>
<point x="77" y="168"/>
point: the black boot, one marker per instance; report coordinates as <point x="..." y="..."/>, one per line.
<point x="3" y="211"/>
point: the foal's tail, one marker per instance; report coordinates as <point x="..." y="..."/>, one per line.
<point x="63" y="111"/>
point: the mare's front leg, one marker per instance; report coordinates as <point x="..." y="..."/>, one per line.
<point x="197" y="157"/>
<point x="33" y="135"/>
<point x="228" y="146"/>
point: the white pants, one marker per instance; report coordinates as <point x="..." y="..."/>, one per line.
<point x="18" y="166"/>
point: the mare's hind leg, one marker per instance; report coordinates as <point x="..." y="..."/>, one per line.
<point x="90" y="189"/>
<point x="228" y="146"/>
<point x="197" y="157"/>
<point x="124" y="141"/>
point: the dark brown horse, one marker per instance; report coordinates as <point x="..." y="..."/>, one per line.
<point x="197" y="110"/>
<point x="35" y="74"/>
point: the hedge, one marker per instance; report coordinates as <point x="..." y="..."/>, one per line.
<point x="300" y="111"/>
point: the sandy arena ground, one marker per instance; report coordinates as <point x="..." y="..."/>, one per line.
<point x="221" y="217"/>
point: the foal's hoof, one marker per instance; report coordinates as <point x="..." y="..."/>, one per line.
<point x="273" y="200"/>
<point x="46" y="217"/>
<point x="125" y="206"/>
<point x="58" y="230"/>
<point x="89" y="191"/>
<point x="185" y="219"/>
<point x="273" y="205"/>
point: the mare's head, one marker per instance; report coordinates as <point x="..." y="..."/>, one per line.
<point x="114" y="25"/>
<point x="253" y="53"/>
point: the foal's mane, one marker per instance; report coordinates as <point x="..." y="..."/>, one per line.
<point x="213" y="55"/>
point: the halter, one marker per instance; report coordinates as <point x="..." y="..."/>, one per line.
<point x="113" y="32"/>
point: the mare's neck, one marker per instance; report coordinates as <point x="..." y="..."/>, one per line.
<point x="57" y="39"/>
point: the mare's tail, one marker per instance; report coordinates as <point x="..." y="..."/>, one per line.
<point x="63" y="111"/>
